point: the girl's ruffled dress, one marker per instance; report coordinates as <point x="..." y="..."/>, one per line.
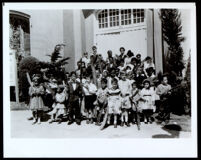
<point x="149" y="96"/>
<point x="114" y="101"/>
<point x="36" y="101"/>
<point x="59" y="106"/>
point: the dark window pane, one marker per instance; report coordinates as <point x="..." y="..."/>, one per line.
<point x="122" y="22"/>
<point x="142" y="19"/>
<point x="134" y="21"/>
<point x="134" y="14"/>
<point x="134" y="11"/>
<point x="138" y="10"/>
<point x="129" y="21"/>
<point x="142" y="14"/>
<point x="138" y="20"/>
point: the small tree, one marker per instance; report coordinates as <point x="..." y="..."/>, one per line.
<point x="56" y="64"/>
<point x="188" y="86"/>
<point x="171" y="28"/>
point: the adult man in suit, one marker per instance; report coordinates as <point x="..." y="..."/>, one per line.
<point x="75" y="93"/>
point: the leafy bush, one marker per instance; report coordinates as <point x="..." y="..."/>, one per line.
<point x="31" y="65"/>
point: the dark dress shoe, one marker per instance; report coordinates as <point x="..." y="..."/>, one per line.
<point x="127" y="124"/>
<point x="70" y="122"/>
<point x="78" y="123"/>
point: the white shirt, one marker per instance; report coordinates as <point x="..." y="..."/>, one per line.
<point x="92" y="89"/>
<point x="74" y="86"/>
<point x="125" y="86"/>
<point x="86" y="61"/>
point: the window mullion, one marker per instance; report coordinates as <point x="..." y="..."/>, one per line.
<point x="108" y="15"/>
<point x="132" y="21"/>
<point x="119" y="17"/>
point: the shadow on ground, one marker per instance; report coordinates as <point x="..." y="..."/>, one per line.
<point x="173" y="129"/>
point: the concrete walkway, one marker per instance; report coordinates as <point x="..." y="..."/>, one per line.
<point x="23" y="128"/>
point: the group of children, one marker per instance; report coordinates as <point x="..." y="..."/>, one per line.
<point x="122" y="88"/>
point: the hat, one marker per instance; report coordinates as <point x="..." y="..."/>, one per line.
<point x="35" y="78"/>
<point x="54" y="80"/>
<point x="146" y="81"/>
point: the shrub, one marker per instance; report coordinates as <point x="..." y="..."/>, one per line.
<point x="31" y="65"/>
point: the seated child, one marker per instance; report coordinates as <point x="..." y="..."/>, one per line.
<point x="114" y="102"/>
<point x="101" y="99"/>
<point x="58" y="106"/>
<point x="163" y="90"/>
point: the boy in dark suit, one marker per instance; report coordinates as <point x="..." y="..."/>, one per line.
<point x="75" y="93"/>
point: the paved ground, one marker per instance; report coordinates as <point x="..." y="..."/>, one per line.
<point x="22" y="128"/>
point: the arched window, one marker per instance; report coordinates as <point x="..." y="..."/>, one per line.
<point x="120" y="17"/>
<point x="20" y="32"/>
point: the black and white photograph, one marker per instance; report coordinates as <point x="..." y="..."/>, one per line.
<point x="100" y="79"/>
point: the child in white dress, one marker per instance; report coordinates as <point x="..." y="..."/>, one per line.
<point x="147" y="101"/>
<point x="114" y="102"/>
<point x="125" y="88"/>
<point x="36" y="102"/>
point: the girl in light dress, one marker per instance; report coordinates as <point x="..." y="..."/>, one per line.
<point x="125" y="88"/>
<point x="36" y="102"/>
<point x="114" y="102"/>
<point x="147" y="101"/>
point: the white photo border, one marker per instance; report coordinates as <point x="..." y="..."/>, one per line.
<point x="182" y="147"/>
